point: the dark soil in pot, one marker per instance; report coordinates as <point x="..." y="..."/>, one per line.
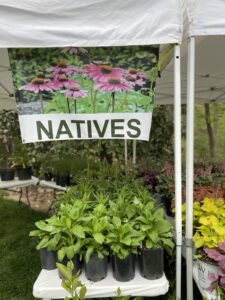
<point x="96" y="268"/>
<point x="24" y="173"/>
<point x="123" y="269"/>
<point x="151" y="263"/>
<point x="48" y="259"/>
<point x="76" y="262"/>
<point x="63" y="180"/>
<point x="7" y="174"/>
<point x="48" y="176"/>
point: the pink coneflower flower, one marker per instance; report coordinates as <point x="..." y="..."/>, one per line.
<point x="74" y="50"/>
<point x="74" y="93"/>
<point x="63" y="68"/>
<point x="134" y="72"/>
<point x="103" y="72"/>
<point x="38" y="84"/>
<point x="133" y="80"/>
<point x="113" y="84"/>
<point x="63" y="81"/>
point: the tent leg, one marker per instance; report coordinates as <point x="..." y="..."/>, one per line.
<point x="134" y="151"/>
<point x="178" y="179"/>
<point x="190" y="164"/>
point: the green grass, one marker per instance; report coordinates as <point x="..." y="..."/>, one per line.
<point x="19" y="260"/>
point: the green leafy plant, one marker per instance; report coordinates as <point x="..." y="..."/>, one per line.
<point x="122" y="239"/>
<point x="72" y="282"/>
<point x="210" y="224"/>
<point x="21" y="155"/>
<point x="156" y="231"/>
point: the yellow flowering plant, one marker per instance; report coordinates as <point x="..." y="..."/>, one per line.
<point x="209" y="223"/>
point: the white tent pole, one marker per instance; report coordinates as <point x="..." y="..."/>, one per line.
<point x="177" y="153"/>
<point x="134" y="151"/>
<point x="190" y="163"/>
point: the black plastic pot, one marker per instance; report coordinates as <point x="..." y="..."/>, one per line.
<point x="123" y="269"/>
<point x="76" y="262"/>
<point x="62" y="180"/>
<point x="24" y="173"/>
<point x="167" y="205"/>
<point x="96" y="268"/>
<point x="7" y="174"/>
<point x="48" y="259"/>
<point x="48" y="176"/>
<point x="151" y="263"/>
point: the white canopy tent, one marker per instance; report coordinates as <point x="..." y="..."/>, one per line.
<point x="205" y="18"/>
<point x="93" y="23"/>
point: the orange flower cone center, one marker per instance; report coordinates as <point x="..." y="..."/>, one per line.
<point x="74" y="89"/>
<point x="106" y="69"/>
<point x="63" y="78"/>
<point x="62" y="64"/>
<point x="132" y="71"/>
<point x="37" y="81"/>
<point x="131" y="78"/>
<point x="114" y="80"/>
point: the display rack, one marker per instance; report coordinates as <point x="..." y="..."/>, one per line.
<point x="48" y="286"/>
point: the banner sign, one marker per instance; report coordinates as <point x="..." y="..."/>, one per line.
<point x="77" y="93"/>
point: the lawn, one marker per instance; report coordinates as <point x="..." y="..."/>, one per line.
<point x="19" y="260"/>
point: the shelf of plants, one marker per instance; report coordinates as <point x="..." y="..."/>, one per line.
<point x="18" y="183"/>
<point x="51" y="184"/>
<point x="48" y="285"/>
<point x="98" y="219"/>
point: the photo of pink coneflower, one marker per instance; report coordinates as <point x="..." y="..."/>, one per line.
<point x="62" y="67"/>
<point x="133" y="80"/>
<point x="74" y="50"/>
<point x="74" y="93"/>
<point x="37" y="85"/>
<point x="134" y="72"/>
<point x="103" y="72"/>
<point x="113" y="84"/>
<point x="64" y="81"/>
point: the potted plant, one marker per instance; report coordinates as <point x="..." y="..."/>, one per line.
<point x="22" y="160"/>
<point x="156" y="232"/>
<point x="7" y="173"/>
<point x="62" y="167"/>
<point x="209" y="231"/>
<point x="217" y="255"/>
<point x="48" y="242"/>
<point x="123" y="241"/>
<point x="96" y="256"/>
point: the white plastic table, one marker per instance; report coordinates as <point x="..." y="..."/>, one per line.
<point x="16" y="183"/>
<point x="48" y="286"/>
<point x="51" y="184"/>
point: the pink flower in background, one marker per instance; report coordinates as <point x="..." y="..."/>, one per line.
<point x="74" y="93"/>
<point x="39" y="84"/>
<point x="103" y="72"/>
<point x="4" y="138"/>
<point x="63" y="81"/>
<point x="113" y="84"/>
<point x="74" y="50"/>
<point x="134" y="72"/>
<point x="62" y="68"/>
<point x="169" y="169"/>
<point x="134" y="81"/>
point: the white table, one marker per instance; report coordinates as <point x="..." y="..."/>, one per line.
<point x="48" y="286"/>
<point x="51" y="184"/>
<point x="16" y="183"/>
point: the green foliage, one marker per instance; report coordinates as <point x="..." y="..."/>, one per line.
<point x="72" y="282"/>
<point x="155" y="229"/>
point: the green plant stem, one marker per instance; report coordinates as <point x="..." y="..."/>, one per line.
<point x="42" y="103"/>
<point x="68" y="104"/>
<point x="113" y="101"/>
<point x="75" y="106"/>
<point x="94" y="101"/>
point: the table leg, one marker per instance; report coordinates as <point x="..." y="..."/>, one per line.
<point x="21" y="193"/>
<point x="28" y="200"/>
